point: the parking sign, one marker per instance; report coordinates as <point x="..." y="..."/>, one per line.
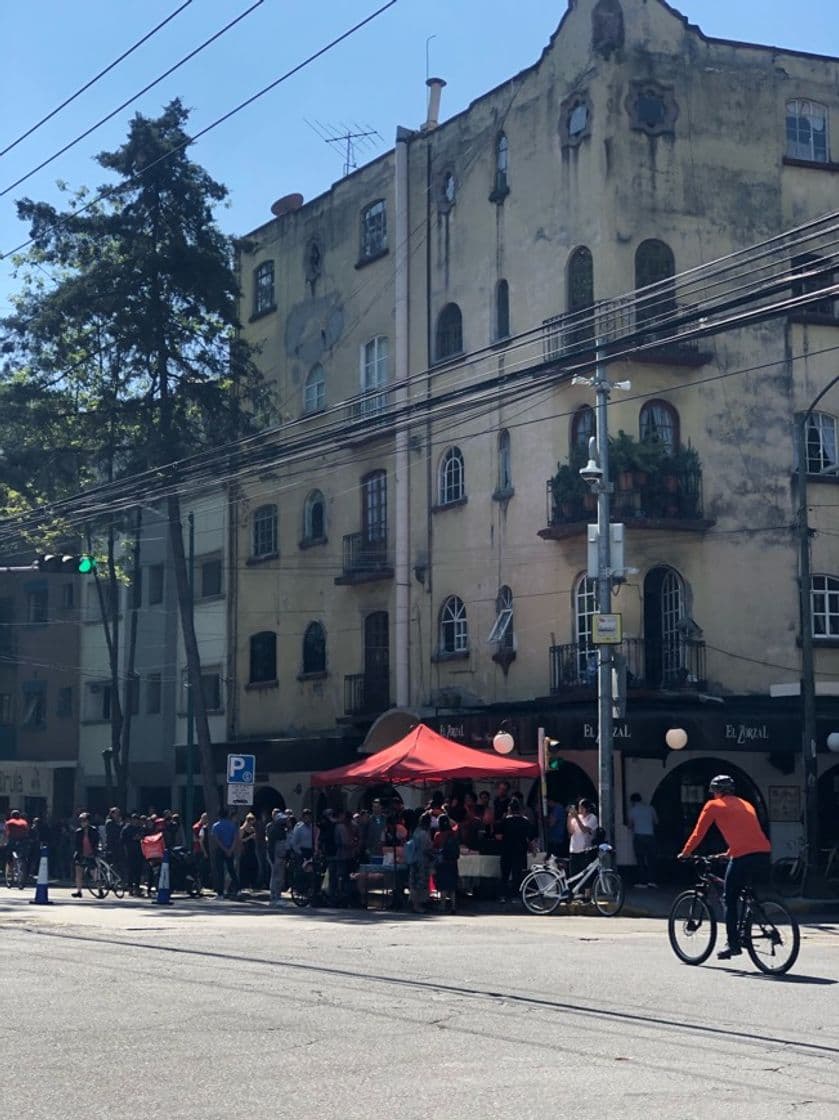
<point x="241" y="769"/>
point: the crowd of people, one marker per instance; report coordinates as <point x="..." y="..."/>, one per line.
<point x="252" y="851"/>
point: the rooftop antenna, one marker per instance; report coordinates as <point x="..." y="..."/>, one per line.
<point x="350" y="136"/>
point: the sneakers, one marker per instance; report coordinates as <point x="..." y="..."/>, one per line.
<point x="75" y="894"/>
<point x="729" y="952"/>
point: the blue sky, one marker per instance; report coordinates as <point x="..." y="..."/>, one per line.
<point x="376" y="79"/>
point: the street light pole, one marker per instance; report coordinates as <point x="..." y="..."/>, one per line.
<point x="808" y="676"/>
<point x="605" y="730"/>
<point x="189" y="800"/>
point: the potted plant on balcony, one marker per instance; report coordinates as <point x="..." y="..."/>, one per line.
<point x="623" y="460"/>
<point x="567" y="490"/>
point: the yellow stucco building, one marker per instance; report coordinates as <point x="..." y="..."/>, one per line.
<point x="419" y="544"/>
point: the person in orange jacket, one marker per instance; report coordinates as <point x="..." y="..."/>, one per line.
<point x="748" y="849"/>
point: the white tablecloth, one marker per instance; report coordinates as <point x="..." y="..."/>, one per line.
<point x="479" y="867"/>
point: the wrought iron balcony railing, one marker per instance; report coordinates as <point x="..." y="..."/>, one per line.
<point x="366" y="694"/>
<point x="650" y="665"/>
<point x="364" y="559"/>
<point x="639" y="497"/>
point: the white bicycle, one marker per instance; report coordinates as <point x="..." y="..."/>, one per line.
<point x="547" y="885"/>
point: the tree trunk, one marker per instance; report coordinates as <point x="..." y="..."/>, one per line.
<point x="193" y="661"/>
<point x="131" y="652"/>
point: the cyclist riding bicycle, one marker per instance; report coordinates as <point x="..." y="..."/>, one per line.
<point x="17" y="836"/>
<point x="748" y="849"/>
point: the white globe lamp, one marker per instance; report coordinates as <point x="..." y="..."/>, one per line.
<point x="833" y="742"/>
<point x="676" y="738"/>
<point x="503" y="742"/>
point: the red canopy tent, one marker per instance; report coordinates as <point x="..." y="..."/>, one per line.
<point x="424" y="756"/>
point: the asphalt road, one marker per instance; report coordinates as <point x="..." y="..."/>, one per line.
<point x="211" y="1010"/>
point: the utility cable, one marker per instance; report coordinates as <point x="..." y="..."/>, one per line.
<point x="130" y="100"/>
<point x="95" y="79"/>
<point x="119" y="188"/>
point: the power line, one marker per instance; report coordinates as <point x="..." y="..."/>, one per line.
<point x="95" y="79"/>
<point x="113" y="191"/>
<point x="130" y="100"/>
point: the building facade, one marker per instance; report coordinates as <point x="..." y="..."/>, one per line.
<point x="426" y="547"/>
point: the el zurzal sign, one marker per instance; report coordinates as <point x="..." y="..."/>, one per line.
<point x="741" y="733"/>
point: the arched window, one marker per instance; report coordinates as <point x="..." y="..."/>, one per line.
<point x="375" y="355"/>
<point x="452" y="482"/>
<point x="585" y="608"/>
<point x="264" y="532"/>
<point x="263" y="288"/>
<point x="454" y="629"/>
<point x="580" y="296"/>
<point x="505" y="471"/>
<point x="449" y="332"/>
<point x="659" y="424"/>
<point x="807" y="135"/>
<point x="821" y="443"/>
<point x="502" y="164"/>
<point x="502" y="309"/>
<point x="314" y="649"/>
<point x="825" y="599"/>
<point x="654" y="265"/>
<point x="582" y="429"/>
<point x="502" y="630"/>
<point x="374" y="509"/>
<point x="263" y="657"/>
<point x="314" y="391"/>
<point x="373" y="229"/>
<point x="314" y="517"/>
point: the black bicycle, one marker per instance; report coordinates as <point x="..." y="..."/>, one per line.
<point x="307" y="881"/>
<point x="766" y="929"/>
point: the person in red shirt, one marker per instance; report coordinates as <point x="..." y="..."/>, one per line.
<point x="748" y="849"/>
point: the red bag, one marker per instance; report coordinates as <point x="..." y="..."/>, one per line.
<point x="153" y="846"/>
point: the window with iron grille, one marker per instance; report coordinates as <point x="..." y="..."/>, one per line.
<point x="449" y="332"/>
<point x="825" y="601"/>
<point x="585" y="608"/>
<point x="821" y="443"/>
<point x="314" y="649"/>
<point x="264" y="532"/>
<point x="373" y="229"/>
<point x="807" y="131"/>
<point x="452" y="477"/>
<point x="374" y="508"/>
<point x="263" y="657"/>
<point x="314" y="391"/>
<point x="314" y="517"/>
<point x="454" y="629"/>
<point x="263" y="288"/>
<point x="374" y="374"/>
<point x="659" y="424"/>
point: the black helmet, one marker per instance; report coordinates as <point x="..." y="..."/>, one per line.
<point x="722" y="783"/>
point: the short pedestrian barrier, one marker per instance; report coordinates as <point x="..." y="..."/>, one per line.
<point x="164" y="890"/>
<point x="42" y="887"/>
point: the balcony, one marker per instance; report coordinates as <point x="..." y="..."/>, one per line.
<point x="364" y="560"/>
<point x="650" y="666"/>
<point x="366" y="694"/>
<point x="666" y="499"/>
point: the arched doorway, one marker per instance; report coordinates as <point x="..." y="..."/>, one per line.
<point x="828" y="794"/>
<point x="664" y="639"/>
<point x="265" y="800"/>
<point x="681" y="795"/>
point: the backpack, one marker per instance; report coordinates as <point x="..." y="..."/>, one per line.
<point x="153" y="846"/>
<point x="411" y="852"/>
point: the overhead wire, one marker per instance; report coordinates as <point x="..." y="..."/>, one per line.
<point x="83" y="89"/>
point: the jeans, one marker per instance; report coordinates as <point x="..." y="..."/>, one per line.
<point x="224" y="862"/>
<point x="645" y="857"/>
<point x="277" y="884"/>
<point x="513" y="868"/>
<point x="741" y="872"/>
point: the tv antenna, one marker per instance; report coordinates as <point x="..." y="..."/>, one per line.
<point x="351" y="136"/>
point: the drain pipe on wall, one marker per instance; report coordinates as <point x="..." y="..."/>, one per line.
<point x="403" y="545"/>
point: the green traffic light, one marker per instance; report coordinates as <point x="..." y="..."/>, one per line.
<point x="554" y="763"/>
<point x="87" y="564"/>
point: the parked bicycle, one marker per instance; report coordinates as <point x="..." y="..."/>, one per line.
<point x="307" y="881"/>
<point x="100" y="878"/>
<point x="546" y="885"/>
<point x="790" y="873"/>
<point x="766" y="929"/>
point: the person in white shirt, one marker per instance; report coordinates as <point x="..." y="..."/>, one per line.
<point x="643" y="821"/>
<point x="582" y="825"/>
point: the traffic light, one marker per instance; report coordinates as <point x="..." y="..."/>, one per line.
<point x="83" y="564"/>
<point x="552" y="759"/>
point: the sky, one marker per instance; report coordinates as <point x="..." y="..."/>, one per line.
<point x="373" y="81"/>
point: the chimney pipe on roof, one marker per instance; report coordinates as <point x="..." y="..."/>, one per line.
<point x="435" y="89"/>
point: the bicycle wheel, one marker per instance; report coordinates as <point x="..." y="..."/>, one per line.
<point x="772" y="936"/>
<point x="607" y="893"/>
<point x="94" y="883"/>
<point x="301" y="890"/>
<point x="117" y="886"/>
<point x="787" y="875"/>
<point x="692" y="928"/>
<point x="540" y="892"/>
